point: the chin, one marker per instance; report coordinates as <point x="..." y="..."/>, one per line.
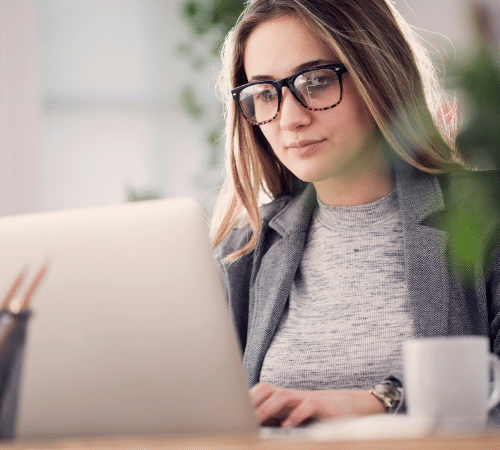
<point x="306" y="178"/>
<point x="312" y="176"/>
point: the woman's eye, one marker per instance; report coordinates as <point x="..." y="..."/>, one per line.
<point x="316" y="81"/>
<point x="267" y="95"/>
<point x="321" y="81"/>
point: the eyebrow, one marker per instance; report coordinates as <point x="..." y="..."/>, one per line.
<point x="303" y="66"/>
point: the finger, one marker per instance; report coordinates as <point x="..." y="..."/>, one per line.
<point x="261" y="392"/>
<point x="277" y="406"/>
<point x="304" y="411"/>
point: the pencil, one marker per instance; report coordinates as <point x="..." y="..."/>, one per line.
<point x="27" y="298"/>
<point x="13" y="289"/>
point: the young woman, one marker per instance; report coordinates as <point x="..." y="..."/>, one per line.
<point x="333" y="113"/>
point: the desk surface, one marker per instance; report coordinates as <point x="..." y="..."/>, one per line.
<point x="486" y="441"/>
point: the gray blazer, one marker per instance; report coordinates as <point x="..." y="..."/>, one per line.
<point x="258" y="285"/>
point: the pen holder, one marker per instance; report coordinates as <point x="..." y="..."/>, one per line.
<point x="12" y="337"/>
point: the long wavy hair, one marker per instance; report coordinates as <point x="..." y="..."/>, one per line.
<point x="392" y="72"/>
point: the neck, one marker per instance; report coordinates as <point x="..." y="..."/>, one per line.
<point x="355" y="189"/>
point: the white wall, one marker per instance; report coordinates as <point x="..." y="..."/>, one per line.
<point x="445" y="25"/>
<point x="112" y="113"/>
<point x="90" y="106"/>
<point x="441" y="22"/>
<point x="20" y="128"/>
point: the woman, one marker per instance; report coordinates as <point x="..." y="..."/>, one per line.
<point x="333" y="114"/>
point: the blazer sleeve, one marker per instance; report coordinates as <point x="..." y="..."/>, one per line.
<point x="236" y="279"/>
<point x="493" y="287"/>
<point x="493" y="296"/>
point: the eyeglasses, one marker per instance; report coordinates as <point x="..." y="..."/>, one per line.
<point x="317" y="88"/>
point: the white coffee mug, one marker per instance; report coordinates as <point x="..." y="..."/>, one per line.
<point x="447" y="380"/>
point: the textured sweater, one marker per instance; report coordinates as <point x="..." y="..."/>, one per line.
<point x="348" y="310"/>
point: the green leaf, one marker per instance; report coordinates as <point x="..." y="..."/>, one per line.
<point x="190" y="9"/>
<point x="467" y="227"/>
<point x="184" y="49"/>
<point x="481" y="80"/>
<point x="190" y="103"/>
<point x="139" y="196"/>
<point x="199" y="63"/>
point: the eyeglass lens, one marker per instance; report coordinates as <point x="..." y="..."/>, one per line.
<point x="316" y="89"/>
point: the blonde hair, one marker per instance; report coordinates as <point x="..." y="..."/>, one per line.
<point x="392" y="72"/>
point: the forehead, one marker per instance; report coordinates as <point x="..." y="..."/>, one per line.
<point x="278" y="46"/>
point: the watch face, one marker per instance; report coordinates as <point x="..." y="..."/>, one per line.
<point x="389" y="392"/>
<point x="390" y="395"/>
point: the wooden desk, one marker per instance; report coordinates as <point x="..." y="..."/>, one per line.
<point x="485" y="441"/>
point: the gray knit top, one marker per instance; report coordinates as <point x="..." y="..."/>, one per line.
<point x="348" y="311"/>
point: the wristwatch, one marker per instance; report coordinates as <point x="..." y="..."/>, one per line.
<point x="389" y="394"/>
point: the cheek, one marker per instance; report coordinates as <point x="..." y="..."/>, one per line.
<point x="365" y="116"/>
<point x="356" y="121"/>
<point x="270" y="133"/>
<point x="353" y="102"/>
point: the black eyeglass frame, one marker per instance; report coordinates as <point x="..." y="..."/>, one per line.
<point x="288" y="82"/>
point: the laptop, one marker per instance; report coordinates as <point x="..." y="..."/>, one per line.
<point x="130" y="331"/>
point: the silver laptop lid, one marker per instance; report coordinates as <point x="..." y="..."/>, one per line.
<point x="130" y="331"/>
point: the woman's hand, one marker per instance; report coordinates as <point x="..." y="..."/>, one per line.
<point x="277" y="406"/>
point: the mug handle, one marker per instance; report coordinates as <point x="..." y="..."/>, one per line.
<point x="495" y="393"/>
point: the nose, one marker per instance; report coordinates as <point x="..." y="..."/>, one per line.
<point x="292" y="113"/>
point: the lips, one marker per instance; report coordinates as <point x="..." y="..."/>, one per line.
<point x="305" y="147"/>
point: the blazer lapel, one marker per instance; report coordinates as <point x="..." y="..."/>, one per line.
<point x="427" y="274"/>
<point x="269" y="297"/>
<point x="273" y="281"/>
<point x="427" y="279"/>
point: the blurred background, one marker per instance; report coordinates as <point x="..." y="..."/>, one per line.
<point x="107" y="101"/>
